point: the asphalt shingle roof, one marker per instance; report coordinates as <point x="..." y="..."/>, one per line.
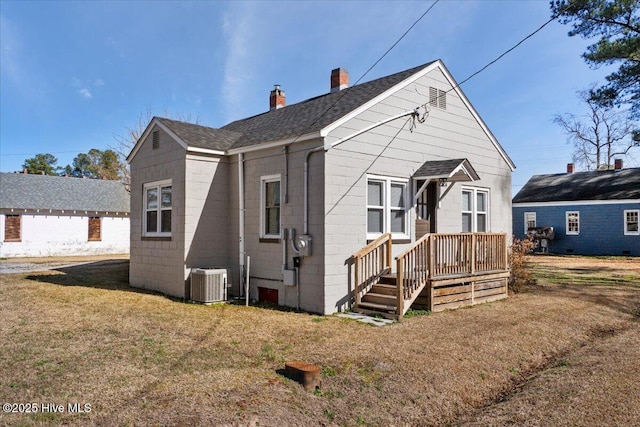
<point x="288" y="122"/>
<point x="202" y="136"/>
<point x="438" y="167"/>
<point x="20" y="191"/>
<point x="597" y="185"/>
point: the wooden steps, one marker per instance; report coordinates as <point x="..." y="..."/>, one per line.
<point x="381" y="298"/>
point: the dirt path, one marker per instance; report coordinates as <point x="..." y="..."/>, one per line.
<point x="597" y="382"/>
<point x="31" y="265"/>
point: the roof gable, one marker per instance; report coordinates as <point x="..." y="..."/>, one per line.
<point x="22" y="191"/>
<point x="313" y="114"/>
<point x="597" y="185"/>
<point x="315" y="117"/>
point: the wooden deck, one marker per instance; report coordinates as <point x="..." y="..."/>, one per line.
<point x="439" y="272"/>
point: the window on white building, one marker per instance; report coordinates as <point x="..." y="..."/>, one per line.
<point x="475" y="210"/>
<point x="386" y="207"/>
<point x="157" y="209"/>
<point x="631" y="222"/>
<point x="95" y="229"/>
<point x="270" y="207"/>
<point x="12" y="228"/>
<point x="573" y="223"/>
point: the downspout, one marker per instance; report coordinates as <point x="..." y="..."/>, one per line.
<point x="241" y="218"/>
<point x="414" y="113"/>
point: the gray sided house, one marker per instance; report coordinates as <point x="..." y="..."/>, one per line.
<point x="592" y="213"/>
<point x="314" y="182"/>
<point x="44" y="215"/>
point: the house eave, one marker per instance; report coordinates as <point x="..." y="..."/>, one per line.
<point x="573" y="203"/>
<point x="198" y="150"/>
<point x="65" y="212"/>
<point x="147" y="131"/>
<point x="273" y="144"/>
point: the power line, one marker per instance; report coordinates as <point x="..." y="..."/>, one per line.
<point x="346" y="91"/>
<point x="553" y="18"/>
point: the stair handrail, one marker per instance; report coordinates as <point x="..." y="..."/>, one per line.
<point x="371" y="261"/>
<point x="413" y="269"/>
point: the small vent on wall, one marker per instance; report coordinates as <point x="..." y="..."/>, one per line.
<point x="437" y="98"/>
<point x="156" y="139"/>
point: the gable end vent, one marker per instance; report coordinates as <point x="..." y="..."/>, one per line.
<point x="437" y="98"/>
<point x="156" y="139"/>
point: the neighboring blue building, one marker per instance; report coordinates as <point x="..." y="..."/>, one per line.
<point x="592" y="213"/>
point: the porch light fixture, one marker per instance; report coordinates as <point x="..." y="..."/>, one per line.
<point x="443" y="182"/>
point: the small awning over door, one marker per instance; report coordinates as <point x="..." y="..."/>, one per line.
<point x="454" y="170"/>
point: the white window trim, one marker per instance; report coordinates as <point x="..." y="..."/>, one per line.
<point x="386" y="208"/>
<point x="263" y="181"/>
<point x="567" y="215"/>
<point x="474" y="211"/>
<point x="624" y="218"/>
<point x="158" y="185"/>
<point x="526" y="220"/>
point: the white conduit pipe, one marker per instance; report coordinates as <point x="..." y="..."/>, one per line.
<point x="241" y="218"/>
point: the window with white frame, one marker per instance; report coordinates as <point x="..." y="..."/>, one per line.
<point x="573" y="223"/>
<point x="386" y="207"/>
<point x="157" y="209"/>
<point x="475" y="210"/>
<point x="529" y="221"/>
<point x="631" y="222"/>
<point x="270" y="207"/>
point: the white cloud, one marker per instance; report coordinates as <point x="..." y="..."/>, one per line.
<point x="99" y="82"/>
<point x="86" y="94"/>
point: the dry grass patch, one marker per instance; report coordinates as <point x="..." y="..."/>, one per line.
<point x="82" y="335"/>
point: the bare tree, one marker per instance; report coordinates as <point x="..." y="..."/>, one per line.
<point x="127" y="140"/>
<point x="600" y="135"/>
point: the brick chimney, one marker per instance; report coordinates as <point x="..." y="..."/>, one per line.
<point x="277" y="99"/>
<point x="617" y="164"/>
<point x="570" y="168"/>
<point x="339" y="79"/>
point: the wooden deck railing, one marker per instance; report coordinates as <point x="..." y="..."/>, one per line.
<point x="433" y="258"/>
<point x="467" y="253"/>
<point x="370" y="263"/>
<point x="446" y="255"/>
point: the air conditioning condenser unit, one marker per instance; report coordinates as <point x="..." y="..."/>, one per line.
<point x="208" y="285"/>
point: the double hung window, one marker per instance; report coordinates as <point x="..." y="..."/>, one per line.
<point x="529" y="221"/>
<point x="270" y="207"/>
<point x="573" y="223"/>
<point x="631" y="222"/>
<point x="475" y="210"/>
<point x="157" y="209"/>
<point x="386" y="207"/>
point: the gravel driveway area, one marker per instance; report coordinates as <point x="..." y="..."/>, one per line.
<point x="30" y="265"/>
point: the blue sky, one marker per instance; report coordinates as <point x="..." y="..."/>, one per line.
<point x="74" y="75"/>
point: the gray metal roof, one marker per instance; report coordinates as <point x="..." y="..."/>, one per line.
<point x="21" y="191"/>
<point x="597" y="185"/>
<point x="287" y="122"/>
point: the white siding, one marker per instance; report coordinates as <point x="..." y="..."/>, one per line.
<point x="60" y="235"/>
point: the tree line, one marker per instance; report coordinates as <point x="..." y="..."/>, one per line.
<point x="95" y="164"/>
<point x="609" y="128"/>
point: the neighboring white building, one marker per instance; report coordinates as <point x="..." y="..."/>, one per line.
<point x="44" y="215"/>
<point x="405" y="154"/>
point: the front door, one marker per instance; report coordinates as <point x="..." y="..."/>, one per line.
<point x="426" y="209"/>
